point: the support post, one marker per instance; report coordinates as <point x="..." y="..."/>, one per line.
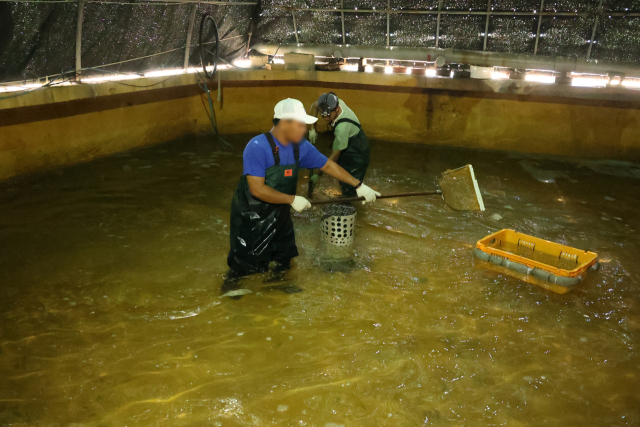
<point x="249" y="39"/>
<point x="344" y="39"/>
<point x="595" y="28"/>
<point x="486" y="26"/>
<point x="535" y="49"/>
<point x="79" y="39"/>
<point x="388" y="19"/>
<point x="438" y="23"/>
<point x="295" y="26"/>
<point x="187" y="47"/>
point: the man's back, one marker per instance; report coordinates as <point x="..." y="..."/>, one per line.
<point x="345" y="130"/>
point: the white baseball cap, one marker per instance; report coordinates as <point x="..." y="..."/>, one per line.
<point x="292" y="109"/>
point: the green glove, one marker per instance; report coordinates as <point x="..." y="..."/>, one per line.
<point x="314" y="178"/>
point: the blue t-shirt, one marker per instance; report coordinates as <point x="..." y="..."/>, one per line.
<point x="258" y="157"/>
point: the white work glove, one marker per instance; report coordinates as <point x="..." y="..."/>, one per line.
<point x="312" y="136"/>
<point x="368" y="194"/>
<point x="300" y="203"/>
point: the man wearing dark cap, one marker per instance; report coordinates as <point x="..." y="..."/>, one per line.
<point x="350" y="144"/>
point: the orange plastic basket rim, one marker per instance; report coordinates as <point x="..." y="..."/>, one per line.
<point x="581" y="268"/>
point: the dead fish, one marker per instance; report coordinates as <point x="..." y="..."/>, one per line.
<point x="237" y="293"/>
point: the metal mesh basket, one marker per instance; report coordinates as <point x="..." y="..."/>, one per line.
<point x="338" y="225"/>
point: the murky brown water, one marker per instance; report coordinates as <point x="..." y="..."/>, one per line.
<point x="110" y="312"/>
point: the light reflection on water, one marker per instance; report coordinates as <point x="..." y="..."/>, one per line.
<point x="110" y="308"/>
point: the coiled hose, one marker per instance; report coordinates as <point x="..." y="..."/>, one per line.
<point x="201" y="81"/>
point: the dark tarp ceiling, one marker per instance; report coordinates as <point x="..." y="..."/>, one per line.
<point x="38" y="39"/>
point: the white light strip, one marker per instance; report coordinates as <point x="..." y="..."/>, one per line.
<point x="540" y="78"/>
<point x="589" y="82"/>
<point x="113" y="78"/>
<point x="163" y="73"/>
<point x="631" y="83"/>
<point x="20" y="88"/>
<point x="242" y="63"/>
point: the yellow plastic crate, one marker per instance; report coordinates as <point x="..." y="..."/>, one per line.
<point x="553" y="266"/>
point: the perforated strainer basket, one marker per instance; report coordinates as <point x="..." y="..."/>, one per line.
<point x="338" y="225"/>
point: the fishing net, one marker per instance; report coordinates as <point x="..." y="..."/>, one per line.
<point x="460" y="189"/>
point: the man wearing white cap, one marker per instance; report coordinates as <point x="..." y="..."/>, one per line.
<point x="261" y="226"/>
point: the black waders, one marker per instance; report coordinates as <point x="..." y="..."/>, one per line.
<point x="355" y="158"/>
<point x="263" y="232"/>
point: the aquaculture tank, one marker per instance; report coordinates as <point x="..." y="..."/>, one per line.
<point x="129" y="129"/>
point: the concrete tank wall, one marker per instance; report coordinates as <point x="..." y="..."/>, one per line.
<point x="70" y="124"/>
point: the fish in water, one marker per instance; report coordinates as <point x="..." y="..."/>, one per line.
<point x="237" y="293"/>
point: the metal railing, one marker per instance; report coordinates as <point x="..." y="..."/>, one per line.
<point x="439" y="12"/>
<point x="488" y="13"/>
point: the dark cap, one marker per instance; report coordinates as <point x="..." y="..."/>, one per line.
<point x="328" y="103"/>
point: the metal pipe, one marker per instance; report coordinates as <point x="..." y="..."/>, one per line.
<point x="249" y="39"/>
<point x="486" y="26"/>
<point x="388" y="19"/>
<point x="595" y="28"/>
<point x="187" y="47"/>
<point x="79" y="38"/>
<point x="143" y="2"/>
<point x="215" y="2"/>
<point x="295" y="26"/>
<point x="535" y="49"/>
<point x="386" y="196"/>
<point x="434" y="12"/>
<point x="483" y="59"/>
<point x="438" y="23"/>
<point x="344" y="40"/>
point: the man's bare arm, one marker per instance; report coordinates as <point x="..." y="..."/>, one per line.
<point x="335" y="155"/>
<point x="332" y="168"/>
<point x="313" y="111"/>
<point x="267" y="194"/>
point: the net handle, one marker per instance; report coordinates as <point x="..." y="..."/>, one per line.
<point x="388" y="196"/>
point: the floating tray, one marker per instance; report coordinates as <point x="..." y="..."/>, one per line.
<point x="551" y="265"/>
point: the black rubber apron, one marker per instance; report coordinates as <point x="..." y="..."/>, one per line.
<point x="355" y="158"/>
<point x="263" y="232"/>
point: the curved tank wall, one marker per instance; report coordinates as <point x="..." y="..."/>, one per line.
<point x="71" y="124"/>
